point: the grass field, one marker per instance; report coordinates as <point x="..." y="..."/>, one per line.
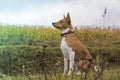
<point x="108" y="75"/>
<point x="20" y="44"/>
<point x="16" y="35"/>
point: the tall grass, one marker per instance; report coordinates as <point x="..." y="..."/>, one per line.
<point x="23" y="35"/>
<point x="23" y="42"/>
<point x="108" y="75"/>
<point x="14" y="35"/>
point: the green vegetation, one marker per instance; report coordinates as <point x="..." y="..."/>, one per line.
<point x="108" y="75"/>
<point x="22" y="52"/>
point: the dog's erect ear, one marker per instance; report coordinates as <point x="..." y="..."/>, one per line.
<point x="68" y="18"/>
<point x="64" y="15"/>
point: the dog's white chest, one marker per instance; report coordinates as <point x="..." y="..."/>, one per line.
<point x="66" y="50"/>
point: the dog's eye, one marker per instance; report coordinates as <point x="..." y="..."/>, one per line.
<point x="61" y="21"/>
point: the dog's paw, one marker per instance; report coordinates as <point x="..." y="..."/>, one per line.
<point x="78" y="73"/>
<point x="69" y="73"/>
<point x="64" y="73"/>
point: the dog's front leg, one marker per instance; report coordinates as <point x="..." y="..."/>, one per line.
<point x="78" y="71"/>
<point x="71" y="65"/>
<point x="65" y="65"/>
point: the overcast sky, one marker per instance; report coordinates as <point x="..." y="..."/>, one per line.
<point x="44" y="12"/>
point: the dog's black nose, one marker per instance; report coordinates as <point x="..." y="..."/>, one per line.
<point x="53" y="24"/>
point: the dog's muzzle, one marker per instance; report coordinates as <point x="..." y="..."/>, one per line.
<point x="55" y="26"/>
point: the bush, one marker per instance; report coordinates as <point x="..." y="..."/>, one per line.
<point x="14" y="58"/>
<point x="21" y="47"/>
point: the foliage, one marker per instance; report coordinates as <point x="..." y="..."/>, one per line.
<point x="16" y="59"/>
<point x="108" y="75"/>
<point x="22" y="52"/>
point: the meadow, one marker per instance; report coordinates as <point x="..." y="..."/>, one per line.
<point x="32" y="52"/>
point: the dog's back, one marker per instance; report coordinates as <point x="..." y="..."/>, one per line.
<point x="80" y="50"/>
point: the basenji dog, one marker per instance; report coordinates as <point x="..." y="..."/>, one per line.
<point x="73" y="50"/>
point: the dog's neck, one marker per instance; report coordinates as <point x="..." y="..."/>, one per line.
<point x="67" y="31"/>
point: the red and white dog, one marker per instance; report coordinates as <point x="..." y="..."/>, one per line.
<point x="73" y="50"/>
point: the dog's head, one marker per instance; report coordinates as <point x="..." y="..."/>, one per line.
<point x="64" y="23"/>
<point x="84" y="65"/>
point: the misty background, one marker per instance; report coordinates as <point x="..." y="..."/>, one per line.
<point x="44" y="12"/>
